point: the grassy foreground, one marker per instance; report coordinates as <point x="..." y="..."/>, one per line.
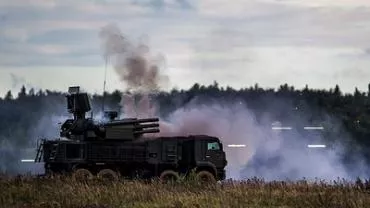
<point x="67" y="193"/>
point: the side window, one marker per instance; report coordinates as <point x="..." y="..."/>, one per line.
<point x="213" y="146"/>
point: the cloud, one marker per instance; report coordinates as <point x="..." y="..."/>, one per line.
<point x="165" y="4"/>
<point x="45" y="4"/>
<point x="241" y="42"/>
<point x="325" y="3"/>
<point x="240" y="7"/>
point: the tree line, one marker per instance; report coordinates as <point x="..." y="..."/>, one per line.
<point x="18" y="114"/>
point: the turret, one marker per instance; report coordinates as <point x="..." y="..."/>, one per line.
<point x="82" y="128"/>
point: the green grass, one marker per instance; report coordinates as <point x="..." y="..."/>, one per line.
<point x="67" y="193"/>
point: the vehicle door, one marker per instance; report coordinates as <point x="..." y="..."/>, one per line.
<point x="214" y="153"/>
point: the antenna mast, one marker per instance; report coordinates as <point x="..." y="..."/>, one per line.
<point x="105" y="80"/>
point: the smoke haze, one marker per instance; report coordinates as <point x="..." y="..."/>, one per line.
<point x="135" y="66"/>
<point x="268" y="154"/>
<point x="21" y="142"/>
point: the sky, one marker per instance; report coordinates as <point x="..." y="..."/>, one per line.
<point x="52" y="44"/>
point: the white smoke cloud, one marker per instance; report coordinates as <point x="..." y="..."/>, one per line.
<point x="268" y="154"/>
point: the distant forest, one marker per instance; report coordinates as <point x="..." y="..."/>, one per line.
<point x="352" y="111"/>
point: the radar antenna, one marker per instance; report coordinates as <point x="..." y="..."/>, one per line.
<point x="105" y="80"/>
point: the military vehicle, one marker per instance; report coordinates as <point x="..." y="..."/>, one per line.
<point x="122" y="148"/>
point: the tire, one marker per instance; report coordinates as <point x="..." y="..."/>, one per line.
<point x="108" y="174"/>
<point x="82" y="174"/>
<point x="169" y="176"/>
<point x="206" y="177"/>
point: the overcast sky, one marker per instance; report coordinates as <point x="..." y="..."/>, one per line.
<point x="55" y="44"/>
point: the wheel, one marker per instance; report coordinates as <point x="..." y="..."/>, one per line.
<point x="169" y="176"/>
<point x="206" y="176"/>
<point x="108" y="174"/>
<point x="82" y="174"/>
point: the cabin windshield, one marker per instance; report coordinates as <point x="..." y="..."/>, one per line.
<point x="213" y="145"/>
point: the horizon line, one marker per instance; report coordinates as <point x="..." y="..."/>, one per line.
<point x="256" y="86"/>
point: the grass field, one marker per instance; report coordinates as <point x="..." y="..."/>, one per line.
<point x="65" y="192"/>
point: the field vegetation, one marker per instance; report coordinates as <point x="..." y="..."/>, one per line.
<point x="30" y="192"/>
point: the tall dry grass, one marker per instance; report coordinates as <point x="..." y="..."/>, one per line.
<point x="65" y="192"/>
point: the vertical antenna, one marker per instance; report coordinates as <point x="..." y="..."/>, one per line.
<point x="136" y="104"/>
<point x="105" y="80"/>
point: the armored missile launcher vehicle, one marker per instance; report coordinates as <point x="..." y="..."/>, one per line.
<point x="126" y="148"/>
